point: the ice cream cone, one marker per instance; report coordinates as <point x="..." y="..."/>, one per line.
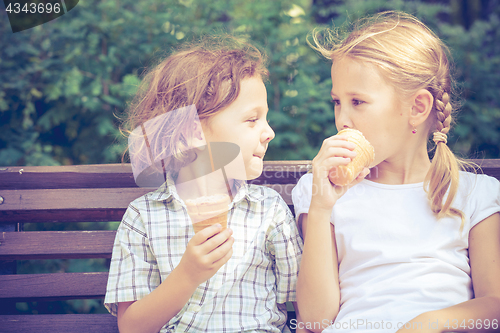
<point x="208" y="210"/>
<point x="345" y="174"/>
<point x="221" y="219"/>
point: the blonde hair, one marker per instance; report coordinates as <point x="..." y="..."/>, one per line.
<point x="205" y="74"/>
<point x="411" y="57"/>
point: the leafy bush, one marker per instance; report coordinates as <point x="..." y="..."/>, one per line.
<point x="64" y="84"/>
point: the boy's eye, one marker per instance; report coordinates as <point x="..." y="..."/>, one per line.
<point x="357" y="102"/>
<point x="336" y="102"/>
<point x="253" y="120"/>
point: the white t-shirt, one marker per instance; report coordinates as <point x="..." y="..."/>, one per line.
<point x="396" y="260"/>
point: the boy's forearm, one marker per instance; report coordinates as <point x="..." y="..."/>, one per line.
<point x="317" y="285"/>
<point x="476" y="315"/>
<point x="152" y="312"/>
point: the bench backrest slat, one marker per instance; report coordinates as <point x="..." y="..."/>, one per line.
<point x="119" y="175"/>
<point x="68" y="176"/>
<point x="66" y="215"/>
<point x="60" y="199"/>
<point x="75" y="323"/>
<point x="54" y="286"/>
<point x="56" y="244"/>
<point x="79" y="205"/>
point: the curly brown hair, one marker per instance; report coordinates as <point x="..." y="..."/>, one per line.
<point x="205" y="74"/>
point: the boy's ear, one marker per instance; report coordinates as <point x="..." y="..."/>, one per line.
<point x="421" y="106"/>
<point x="198" y="137"/>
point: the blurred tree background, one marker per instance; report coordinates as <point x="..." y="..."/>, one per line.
<point x="64" y="84"/>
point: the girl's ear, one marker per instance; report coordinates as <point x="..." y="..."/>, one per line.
<point x="421" y="107"/>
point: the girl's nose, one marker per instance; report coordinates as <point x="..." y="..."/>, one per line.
<point x="267" y="134"/>
<point x="342" y="119"/>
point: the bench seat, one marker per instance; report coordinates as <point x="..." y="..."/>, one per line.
<point x="85" y="193"/>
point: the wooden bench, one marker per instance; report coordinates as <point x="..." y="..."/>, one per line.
<point x="86" y="193"/>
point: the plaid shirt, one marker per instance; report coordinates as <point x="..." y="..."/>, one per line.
<point x="246" y="294"/>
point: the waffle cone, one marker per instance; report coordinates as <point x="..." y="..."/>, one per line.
<point x="221" y="219"/>
<point x="207" y="211"/>
<point x="345" y="174"/>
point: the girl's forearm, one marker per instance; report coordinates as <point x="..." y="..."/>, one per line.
<point x="318" y="292"/>
<point x="472" y="316"/>
<point x="152" y="312"/>
<point x="476" y="315"/>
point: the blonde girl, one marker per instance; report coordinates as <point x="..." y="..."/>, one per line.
<point x="164" y="277"/>
<point x="416" y="246"/>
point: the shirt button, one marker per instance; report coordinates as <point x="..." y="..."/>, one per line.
<point x="195" y="308"/>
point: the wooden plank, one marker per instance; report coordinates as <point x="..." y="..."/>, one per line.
<point x="118" y="175"/>
<point x="56" y="286"/>
<point x="68" y="176"/>
<point x="487" y="163"/>
<point x="71" y="199"/>
<point x="78" y="205"/>
<point x="87" y="168"/>
<point x="56" y="244"/>
<point x="490" y="167"/>
<point x="70" y="216"/>
<point x="67" y="215"/>
<point x="75" y="323"/>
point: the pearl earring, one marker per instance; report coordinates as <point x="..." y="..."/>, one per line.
<point x="414" y="129"/>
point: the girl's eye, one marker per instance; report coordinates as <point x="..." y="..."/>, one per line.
<point x="336" y="102"/>
<point x="357" y="102"/>
<point x="253" y="120"/>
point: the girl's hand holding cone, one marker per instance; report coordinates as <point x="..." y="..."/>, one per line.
<point x="337" y="155"/>
<point x="345" y="174"/>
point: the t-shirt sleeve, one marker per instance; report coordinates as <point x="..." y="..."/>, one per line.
<point x="302" y="195"/>
<point x="133" y="271"/>
<point x="485" y="198"/>
<point x="285" y="244"/>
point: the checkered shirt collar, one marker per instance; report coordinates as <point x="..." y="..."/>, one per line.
<point x="241" y="188"/>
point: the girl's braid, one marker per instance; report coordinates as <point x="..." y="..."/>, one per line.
<point x="443" y="112"/>
<point x="443" y="108"/>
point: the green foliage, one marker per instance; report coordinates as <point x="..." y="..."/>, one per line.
<point x="477" y="57"/>
<point x="64" y="84"/>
